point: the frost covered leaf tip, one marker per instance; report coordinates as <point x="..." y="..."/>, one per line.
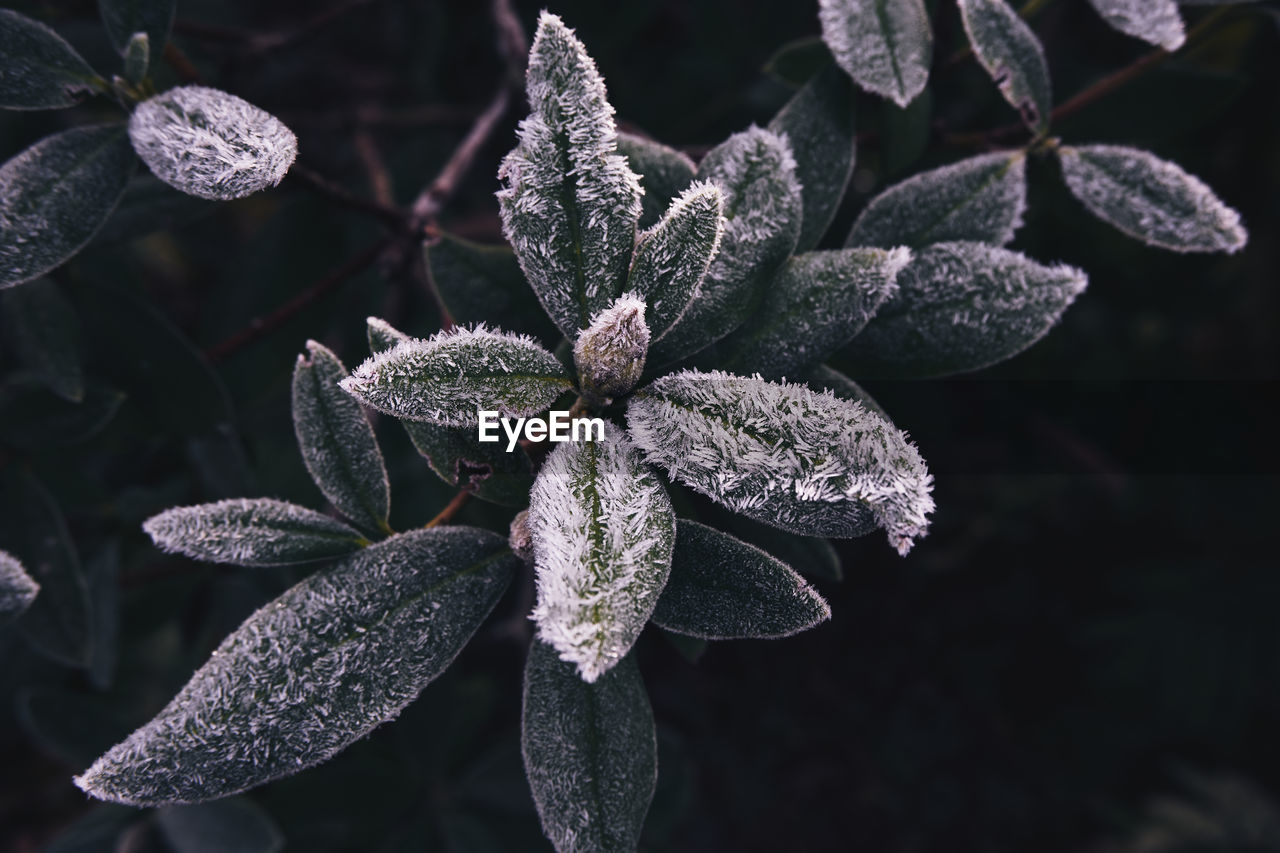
<point x="211" y="144"/>
<point x="1154" y="21"/>
<point x="17" y="588"/>
<point x="885" y="45"/>
<point x="610" y="354"/>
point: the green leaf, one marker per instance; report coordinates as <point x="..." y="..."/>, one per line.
<point x="1154" y="21"/>
<point x="962" y="306"/>
<point x="123" y="18"/>
<point x="721" y="588"/>
<point x="569" y="202"/>
<point x="671" y="259"/>
<point x="337" y="442"/>
<point x="42" y="330"/>
<point x="31" y="417"/>
<point x="664" y="173"/>
<point x="224" y="826"/>
<point x="818" y="123"/>
<point x="805" y="462"/>
<point x="1010" y="52"/>
<point x="211" y="144"/>
<point x="603" y="528"/>
<point x="137" y="58"/>
<point x="886" y="46"/>
<point x="313" y="671"/>
<point x="827" y="378"/>
<point x="252" y="532"/>
<point x="1150" y="199"/>
<point x="38" y="69"/>
<point x="905" y="133"/>
<point x="815" y="304"/>
<point x="762" y="207"/>
<point x="980" y="199"/>
<point x="449" y="378"/>
<point x="56" y="194"/>
<point x="17" y="589"/>
<point x="590" y="752"/>
<point x="798" y="60"/>
<point x="149" y="205"/>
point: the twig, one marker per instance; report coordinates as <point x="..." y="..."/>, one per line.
<point x="387" y="212"/>
<point x="260" y="43"/>
<point x="428" y="203"/>
<point x="374" y="115"/>
<point x="450" y="509"/>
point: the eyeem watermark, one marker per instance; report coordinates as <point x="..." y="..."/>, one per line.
<point x="558" y="426"/>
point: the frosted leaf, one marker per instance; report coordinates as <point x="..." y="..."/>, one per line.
<point x="827" y="378"/>
<point x="251" y="532"/>
<point x="314" y="671"/>
<point x="818" y="123"/>
<point x="137" y="58"/>
<point x="671" y="259"/>
<point x="603" y="529"/>
<point x="236" y="824"/>
<point x="721" y="588"/>
<point x="38" y="69"/>
<point x="664" y="173"/>
<point x="609" y="354"/>
<point x="815" y="304"/>
<point x="962" y="306"/>
<point x="980" y="199"/>
<point x="123" y="18"/>
<point x="1150" y="199"/>
<point x="809" y="555"/>
<point x="211" y="144"/>
<point x="55" y="195"/>
<point x="1154" y="21"/>
<point x="1010" y="52"/>
<point x="17" y="589"/>
<point x="762" y="208"/>
<point x="569" y="201"/>
<point x="885" y="45"/>
<point x="590" y="753"/>
<point x="449" y="378"/>
<point x="782" y="454"/>
<point x="337" y="442"/>
<point x="42" y="330"/>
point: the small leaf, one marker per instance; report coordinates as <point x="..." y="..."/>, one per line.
<point x="313" y="671"/>
<point x="818" y="122"/>
<point x="1154" y="21"/>
<point x="56" y="194"/>
<point x="236" y="824"/>
<point x="980" y="199"/>
<point x="1150" y="199"/>
<point x="671" y="259"/>
<point x="123" y="18"/>
<point x="603" y="529"/>
<point x="886" y="46"/>
<point x="815" y="304"/>
<point x="137" y="58"/>
<point x="797" y="61"/>
<point x="569" y="202"/>
<point x="38" y="69"/>
<point x="1010" y="52"/>
<point x="337" y="442"/>
<point x="804" y="462"/>
<point x="17" y="589"/>
<point x="721" y="588"/>
<point x="762" y="208"/>
<point x="590" y="752"/>
<point x="609" y="354"/>
<point x="251" y="532"/>
<point x="42" y="330"/>
<point x="211" y="144"/>
<point x="31" y="417"/>
<point x="449" y="378"/>
<point x="962" y="306"/>
<point x="664" y="173"/>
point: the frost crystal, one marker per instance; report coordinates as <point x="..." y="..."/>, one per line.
<point x="885" y="45"/>
<point x="211" y="144"/>
<point x="610" y="354"/>
<point x="1154" y="21"/>
<point x="569" y="202"/>
<point x="448" y="378"/>
<point x="1010" y="52"/>
<point x="803" y="461"/>
<point x="603" y="529"/>
<point x="17" y="589"/>
<point x="1151" y="199"/>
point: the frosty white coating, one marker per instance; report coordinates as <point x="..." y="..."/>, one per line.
<point x="1010" y="52"/>
<point x="886" y="46"/>
<point x="1154" y="21"/>
<point x="610" y="354"/>
<point x="17" y="588"/>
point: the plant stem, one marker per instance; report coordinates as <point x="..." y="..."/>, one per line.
<point x="450" y="509"/>
<point x="388" y="213"/>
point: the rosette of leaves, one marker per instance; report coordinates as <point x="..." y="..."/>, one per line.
<point x="57" y="194"/>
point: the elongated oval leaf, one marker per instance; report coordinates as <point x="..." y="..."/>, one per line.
<point x="1150" y="199"/>
<point x="1157" y="22"/>
<point x="569" y="201"/>
<point x="17" y="589"/>
<point x="980" y="199"/>
<point x="805" y="462"/>
<point x="211" y="144"/>
<point x="815" y="304"/>
<point x="808" y="555"/>
<point x="962" y="306"/>
<point x="1010" y="52"/>
<point x="886" y="46"/>
<point x="721" y="588"/>
<point x="313" y="671"/>
<point x="590" y="752"/>
<point x="664" y="173"/>
<point x="252" y="532"/>
<point x="449" y="378"/>
<point x="137" y="58"/>
<point x="236" y="824"/>
<point x="672" y="258"/>
<point x="337" y="442"/>
<point x="603" y="529"/>
<point x="123" y="18"/>
<point x="42" y="330"/>
<point x="56" y="194"/>
<point x="38" y="69"/>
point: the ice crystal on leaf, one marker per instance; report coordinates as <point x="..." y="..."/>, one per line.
<point x="610" y="354"/>
<point x="17" y="589"/>
<point x="1154" y="21"/>
<point x="1010" y="52"/>
<point x="886" y="46"/>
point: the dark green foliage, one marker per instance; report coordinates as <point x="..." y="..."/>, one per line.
<point x="123" y="18"/>
<point x="41" y="329"/>
<point x="664" y="174"/>
<point x="38" y="69"/>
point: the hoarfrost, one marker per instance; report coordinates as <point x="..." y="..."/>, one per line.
<point x="886" y="46"/>
<point x="1154" y="21"/>
<point x="1010" y="52"/>
<point x="17" y="588"/>
<point x="664" y="173"/>
<point x="609" y="354"/>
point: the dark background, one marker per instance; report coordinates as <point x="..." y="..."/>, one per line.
<point x="1082" y="656"/>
